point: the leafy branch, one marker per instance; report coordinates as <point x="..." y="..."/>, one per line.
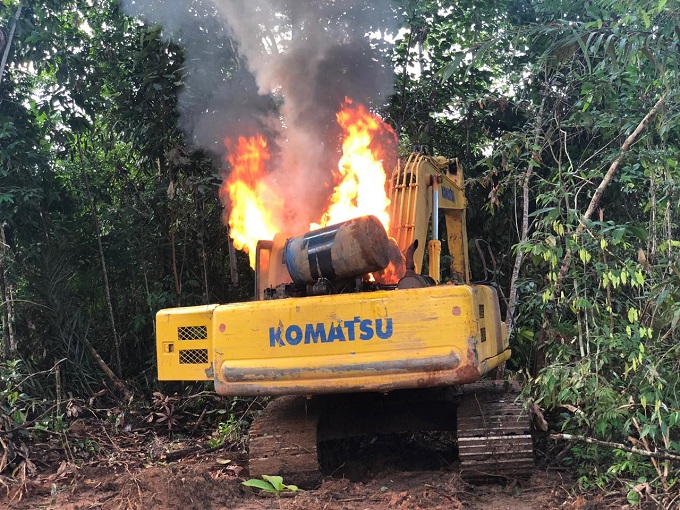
<point x="618" y="446"/>
<point x="595" y="200"/>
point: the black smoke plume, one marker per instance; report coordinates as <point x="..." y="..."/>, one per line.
<point x="295" y="61"/>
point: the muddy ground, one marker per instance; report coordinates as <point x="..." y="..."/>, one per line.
<point x="90" y="467"/>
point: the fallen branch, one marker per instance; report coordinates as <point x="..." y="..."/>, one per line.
<point x="178" y="454"/>
<point x="618" y="446"/>
<point x="565" y="451"/>
<point x="118" y="383"/>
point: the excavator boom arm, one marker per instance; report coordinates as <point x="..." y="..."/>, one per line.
<point x="419" y="186"/>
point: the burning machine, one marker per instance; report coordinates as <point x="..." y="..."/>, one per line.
<point x="344" y="310"/>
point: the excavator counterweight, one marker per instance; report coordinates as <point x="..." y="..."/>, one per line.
<point x="345" y="311"/>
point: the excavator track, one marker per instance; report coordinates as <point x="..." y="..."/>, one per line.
<point x="282" y="441"/>
<point x="494" y="431"/>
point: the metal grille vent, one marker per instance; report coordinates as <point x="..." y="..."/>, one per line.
<point x="481" y="311"/>
<point x="482" y="334"/>
<point x="193" y="356"/>
<point x="192" y="332"/>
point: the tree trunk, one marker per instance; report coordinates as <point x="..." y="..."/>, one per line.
<point x="524" y="236"/>
<point x="173" y="216"/>
<point x="119" y="385"/>
<point x="9" y="344"/>
<point x="107" y="287"/>
<point x="4" y="302"/>
<point x="175" y="273"/>
<point x="5" y="53"/>
<point x="204" y="256"/>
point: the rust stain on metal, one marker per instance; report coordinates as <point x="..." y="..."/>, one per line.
<point x="374" y="376"/>
<point x="467" y="374"/>
<point x="338" y="252"/>
<point x="377" y="247"/>
<point x="210" y="372"/>
<point x="431" y="364"/>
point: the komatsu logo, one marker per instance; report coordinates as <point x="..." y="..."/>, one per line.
<point x="448" y="194"/>
<point x="342" y="331"/>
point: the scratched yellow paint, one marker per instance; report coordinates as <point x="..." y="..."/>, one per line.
<point x="170" y="324"/>
<point x="372" y="341"/>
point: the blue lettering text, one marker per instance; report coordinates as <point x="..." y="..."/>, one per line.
<point x="275" y="337"/>
<point x="312" y="335"/>
<point x="339" y="331"/>
<point x="336" y="334"/>
<point x="349" y="326"/>
<point x="388" y="328"/>
<point x="293" y="335"/>
<point x="366" y="329"/>
<point x="448" y="194"/>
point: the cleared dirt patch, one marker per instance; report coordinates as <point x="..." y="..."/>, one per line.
<point x="122" y="476"/>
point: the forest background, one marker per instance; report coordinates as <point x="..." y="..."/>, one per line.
<point x="564" y="115"/>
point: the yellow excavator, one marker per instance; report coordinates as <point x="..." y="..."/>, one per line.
<point x="349" y="349"/>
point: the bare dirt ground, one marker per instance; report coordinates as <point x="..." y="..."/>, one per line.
<point x="92" y="468"/>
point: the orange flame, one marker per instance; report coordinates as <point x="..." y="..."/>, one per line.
<point x="391" y="274"/>
<point x="253" y="201"/>
<point x="254" y="207"/>
<point x="360" y="188"/>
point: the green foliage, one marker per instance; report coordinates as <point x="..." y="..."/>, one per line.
<point x="18" y="410"/>
<point x="457" y="110"/>
<point x="599" y="331"/>
<point x="99" y="105"/>
<point x="229" y="430"/>
<point x="272" y="484"/>
<point x="14" y="404"/>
